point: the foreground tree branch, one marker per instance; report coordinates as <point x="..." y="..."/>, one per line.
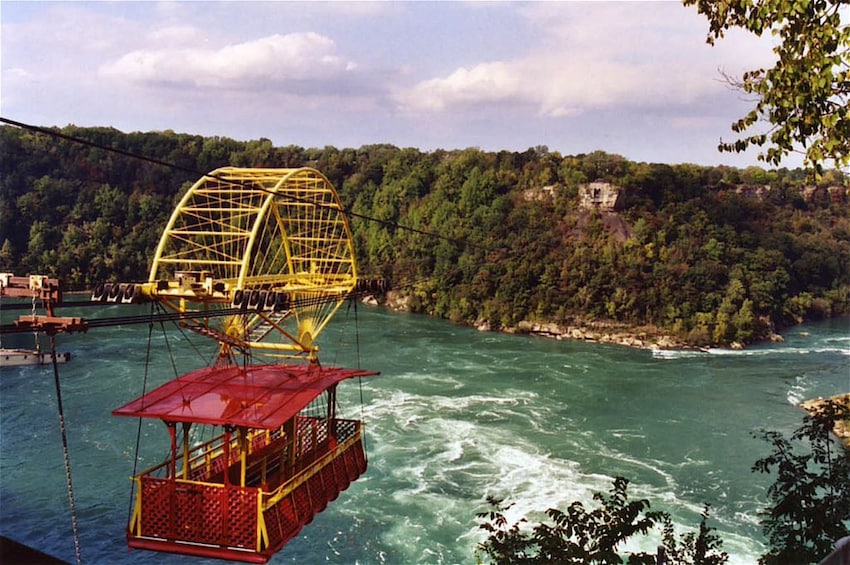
<point x="804" y="95"/>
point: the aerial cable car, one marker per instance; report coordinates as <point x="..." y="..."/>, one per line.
<point x="258" y="260"/>
<point x="282" y="457"/>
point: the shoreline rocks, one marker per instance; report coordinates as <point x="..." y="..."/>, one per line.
<point x="842" y="427"/>
<point x="596" y="331"/>
<point x="601" y="332"/>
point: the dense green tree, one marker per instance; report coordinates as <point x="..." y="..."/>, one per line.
<point x="581" y="537"/>
<point x="810" y="496"/>
<point x="804" y="95"/>
<point x="702" y="547"/>
<point x="468" y="235"/>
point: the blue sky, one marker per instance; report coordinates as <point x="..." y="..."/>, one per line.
<point x="633" y="78"/>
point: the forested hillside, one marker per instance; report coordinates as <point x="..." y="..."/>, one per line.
<point x="712" y="255"/>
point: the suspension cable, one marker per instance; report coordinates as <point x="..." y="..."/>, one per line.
<point x="189" y="170"/>
<point x="359" y="379"/>
<point x="357" y="337"/>
<point x="35" y="332"/>
<point x="65" y="453"/>
<point x="168" y="347"/>
<point x="164" y="316"/>
<point x="139" y="428"/>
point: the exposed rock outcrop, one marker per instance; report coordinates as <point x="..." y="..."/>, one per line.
<point x="601" y="195"/>
<point x="602" y="332"/>
<point x="644" y="337"/>
<point x="842" y="427"/>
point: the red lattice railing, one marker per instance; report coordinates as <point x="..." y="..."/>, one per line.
<point x="221" y="520"/>
<point x="198" y="512"/>
<point x="285" y="518"/>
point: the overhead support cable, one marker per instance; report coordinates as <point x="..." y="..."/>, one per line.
<point x="65" y="453"/>
<point x="26" y="323"/>
<point x="387" y="223"/>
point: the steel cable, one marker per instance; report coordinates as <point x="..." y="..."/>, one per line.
<point x="65" y="452"/>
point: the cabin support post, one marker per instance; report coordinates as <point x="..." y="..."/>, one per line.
<point x="172" y="475"/>
<point x="243" y="454"/>
<point x="225" y="492"/>
<point x="172" y="465"/>
<point x="331" y="413"/>
<point x="186" y="426"/>
<point x="262" y="532"/>
<point x="227" y="432"/>
<point x="291" y="430"/>
<point x="331" y="426"/>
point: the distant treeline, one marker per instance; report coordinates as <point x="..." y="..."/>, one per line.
<point x="693" y="251"/>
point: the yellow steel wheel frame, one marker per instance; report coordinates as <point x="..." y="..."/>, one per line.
<point x="239" y="234"/>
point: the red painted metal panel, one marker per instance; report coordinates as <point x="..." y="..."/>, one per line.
<point x="198" y="550"/>
<point x="220" y="521"/>
<point x="286" y="518"/>
<point x="199" y="513"/>
<point x="257" y="396"/>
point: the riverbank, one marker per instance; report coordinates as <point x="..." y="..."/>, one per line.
<point x="593" y="331"/>
<point x="641" y="337"/>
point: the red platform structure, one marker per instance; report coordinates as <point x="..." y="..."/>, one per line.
<point x="282" y="456"/>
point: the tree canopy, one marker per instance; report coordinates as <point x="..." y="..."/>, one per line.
<point x="709" y="255"/>
<point x="803" y="97"/>
<point x="810" y="496"/>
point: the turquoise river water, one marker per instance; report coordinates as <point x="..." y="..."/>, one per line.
<point x="455" y="415"/>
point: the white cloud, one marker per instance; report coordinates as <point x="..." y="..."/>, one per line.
<point x="16" y="73"/>
<point x="176" y="35"/>
<point x="633" y="77"/>
<point x="595" y="56"/>
<point x="554" y="86"/>
<point x="692" y="122"/>
<point x="275" y="60"/>
<point x="487" y="82"/>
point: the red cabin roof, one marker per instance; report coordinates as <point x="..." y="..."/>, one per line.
<point x="257" y="396"/>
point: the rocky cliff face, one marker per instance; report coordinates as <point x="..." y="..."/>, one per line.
<point x="601" y="195"/>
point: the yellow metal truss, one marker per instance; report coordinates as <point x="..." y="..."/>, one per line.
<point x="239" y="231"/>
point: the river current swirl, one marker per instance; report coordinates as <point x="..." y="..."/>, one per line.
<point x="455" y="415"/>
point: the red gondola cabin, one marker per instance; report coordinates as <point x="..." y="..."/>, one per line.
<point x="282" y="456"/>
